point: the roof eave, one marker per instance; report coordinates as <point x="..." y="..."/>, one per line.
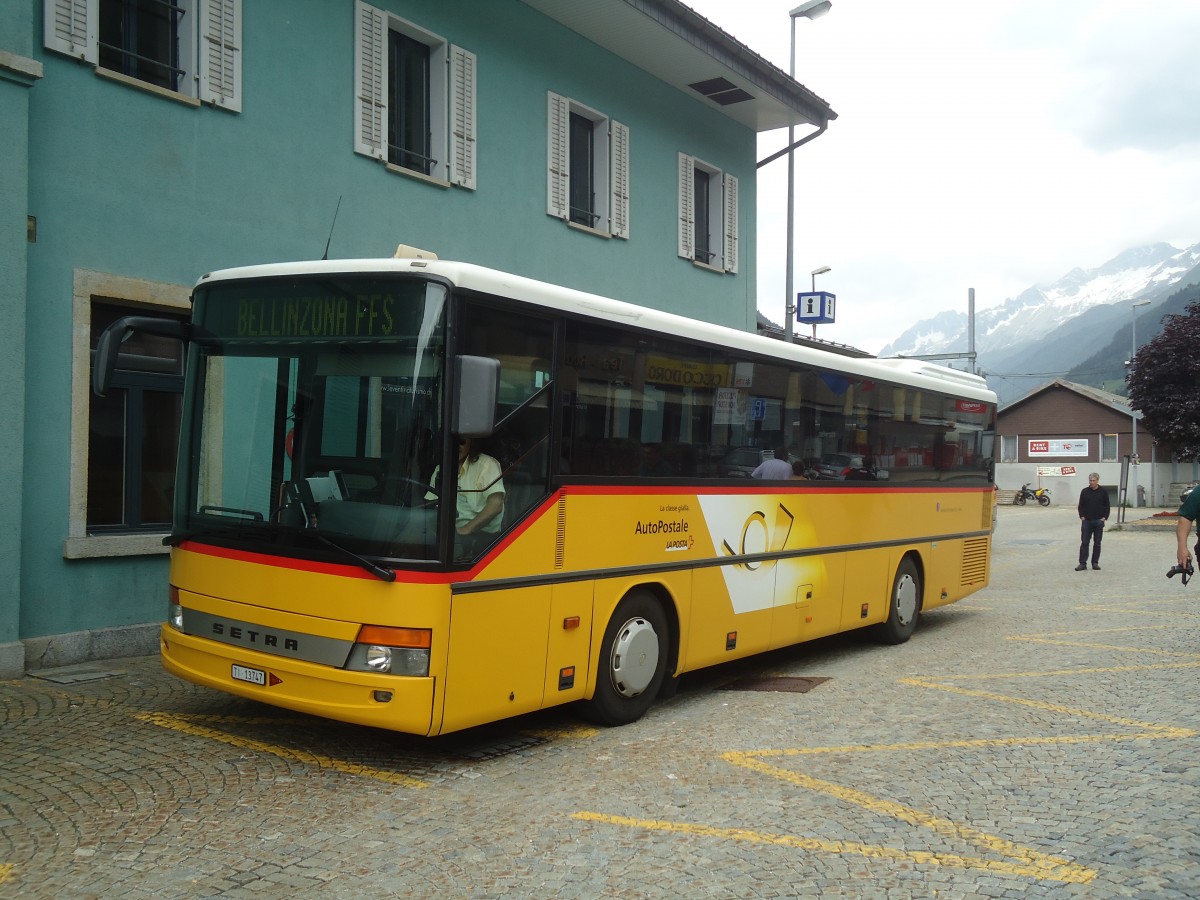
<point x="677" y="45"/>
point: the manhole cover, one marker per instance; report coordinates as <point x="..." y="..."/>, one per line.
<point x="74" y="676"/>
<point x="778" y="683"/>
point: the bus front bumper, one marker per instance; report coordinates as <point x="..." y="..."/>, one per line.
<point x="397" y="703"/>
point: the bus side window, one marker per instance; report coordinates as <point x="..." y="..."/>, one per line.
<point x="523" y="345"/>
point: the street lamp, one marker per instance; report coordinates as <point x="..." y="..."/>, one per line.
<point x="815" y="273"/>
<point x="1133" y="457"/>
<point x="810" y="9"/>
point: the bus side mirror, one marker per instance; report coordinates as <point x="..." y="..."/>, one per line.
<point x="478" y="390"/>
<point x="108" y="346"/>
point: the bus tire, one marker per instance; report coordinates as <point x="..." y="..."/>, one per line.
<point x="904" y="604"/>
<point x="633" y="660"/>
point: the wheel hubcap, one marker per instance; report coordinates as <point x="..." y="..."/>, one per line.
<point x="906" y="599"/>
<point x="634" y="657"/>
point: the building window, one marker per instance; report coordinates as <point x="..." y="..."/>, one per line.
<point x="701" y="224"/>
<point x="1108" y="448"/>
<point x="133" y="433"/>
<point x="123" y="445"/>
<point x="408" y="99"/>
<point x="708" y="214"/>
<point x="582" y="170"/>
<point x="190" y="48"/>
<point x="140" y="38"/>
<point x="587" y="177"/>
<point x="1008" y="448"/>
<point x="414" y="99"/>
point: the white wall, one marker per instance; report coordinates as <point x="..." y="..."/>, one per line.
<point x="1155" y="478"/>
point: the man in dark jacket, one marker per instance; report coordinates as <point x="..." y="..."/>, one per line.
<point x="1093" y="513"/>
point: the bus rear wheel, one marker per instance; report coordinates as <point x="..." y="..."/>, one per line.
<point x="904" y="605"/>
<point x="633" y="660"/>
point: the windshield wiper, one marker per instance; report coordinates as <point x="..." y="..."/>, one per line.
<point x="381" y="572"/>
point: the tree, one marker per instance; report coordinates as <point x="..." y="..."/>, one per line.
<point x="1164" y="384"/>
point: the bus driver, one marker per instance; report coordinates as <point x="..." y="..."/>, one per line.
<point x="480" y="498"/>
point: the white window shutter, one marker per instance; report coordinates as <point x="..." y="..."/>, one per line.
<point x="462" y="117"/>
<point x="70" y="28"/>
<point x="370" y="63"/>
<point x="619" y="180"/>
<point x="221" y="53"/>
<point x="558" y="189"/>
<point x="731" y="223"/>
<point x="687" y="207"/>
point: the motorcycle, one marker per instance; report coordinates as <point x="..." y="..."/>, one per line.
<point x="1041" y="495"/>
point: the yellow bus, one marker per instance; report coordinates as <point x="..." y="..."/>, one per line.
<point x="332" y="553"/>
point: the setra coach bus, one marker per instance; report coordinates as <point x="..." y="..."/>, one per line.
<point x="321" y="561"/>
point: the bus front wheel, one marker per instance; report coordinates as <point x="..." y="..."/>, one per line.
<point x="633" y="660"/>
<point x="904" y="604"/>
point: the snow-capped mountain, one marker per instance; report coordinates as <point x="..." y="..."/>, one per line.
<point x="1046" y="330"/>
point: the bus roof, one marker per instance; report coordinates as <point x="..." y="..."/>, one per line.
<point x="909" y="372"/>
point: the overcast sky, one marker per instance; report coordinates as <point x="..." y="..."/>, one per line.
<point x="978" y="145"/>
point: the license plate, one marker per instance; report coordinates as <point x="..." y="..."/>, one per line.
<point x="253" y="676"/>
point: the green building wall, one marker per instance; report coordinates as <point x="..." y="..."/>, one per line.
<point x="128" y="183"/>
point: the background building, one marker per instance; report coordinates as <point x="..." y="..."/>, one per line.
<point x="606" y="145"/>
<point x="1076" y="427"/>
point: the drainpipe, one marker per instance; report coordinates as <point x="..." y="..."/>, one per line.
<point x="804" y="140"/>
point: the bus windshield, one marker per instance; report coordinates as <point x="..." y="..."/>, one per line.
<point x="316" y="420"/>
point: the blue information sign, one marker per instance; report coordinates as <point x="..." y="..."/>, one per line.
<point x="815" y="308"/>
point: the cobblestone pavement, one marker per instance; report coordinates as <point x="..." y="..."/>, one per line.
<point x="1039" y="738"/>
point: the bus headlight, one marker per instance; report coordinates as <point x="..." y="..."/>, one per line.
<point x="391" y="651"/>
<point x="174" y="609"/>
<point x="379" y="659"/>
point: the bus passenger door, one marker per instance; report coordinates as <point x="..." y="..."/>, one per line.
<point x="497" y="661"/>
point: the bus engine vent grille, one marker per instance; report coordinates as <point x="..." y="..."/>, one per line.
<point x="974" y="561"/>
<point x="560" y="537"/>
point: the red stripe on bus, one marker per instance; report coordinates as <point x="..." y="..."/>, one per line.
<point x="626" y="490"/>
<point x="304" y="565"/>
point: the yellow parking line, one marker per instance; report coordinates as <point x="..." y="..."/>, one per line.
<point x="194" y="726"/>
<point x="1032" y="864"/>
<point x="1151" y="730"/>
<point x="6" y="869"/>
<point x="1115" y="647"/>
<point x="568" y="732"/>
<point x="1058" y="673"/>
<point x="1018" y="860"/>
<point x="1090" y="631"/>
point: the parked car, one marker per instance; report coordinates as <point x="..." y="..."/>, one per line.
<point x="844" y="467"/>
<point x="740" y="462"/>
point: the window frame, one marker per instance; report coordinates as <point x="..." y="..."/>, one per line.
<point x="721" y="219"/>
<point x="209" y="41"/>
<point x="450" y="98"/>
<point x="1112" y="456"/>
<point x="411" y="117"/>
<point x="1010" y="448"/>
<point x="142" y="297"/>
<point x="136" y="387"/>
<point x="609" y="167"/>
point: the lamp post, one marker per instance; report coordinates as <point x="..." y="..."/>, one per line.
<point x="815" y="273"/>
<point x="1133" y="453"/>
<point x="810" y="9"/>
